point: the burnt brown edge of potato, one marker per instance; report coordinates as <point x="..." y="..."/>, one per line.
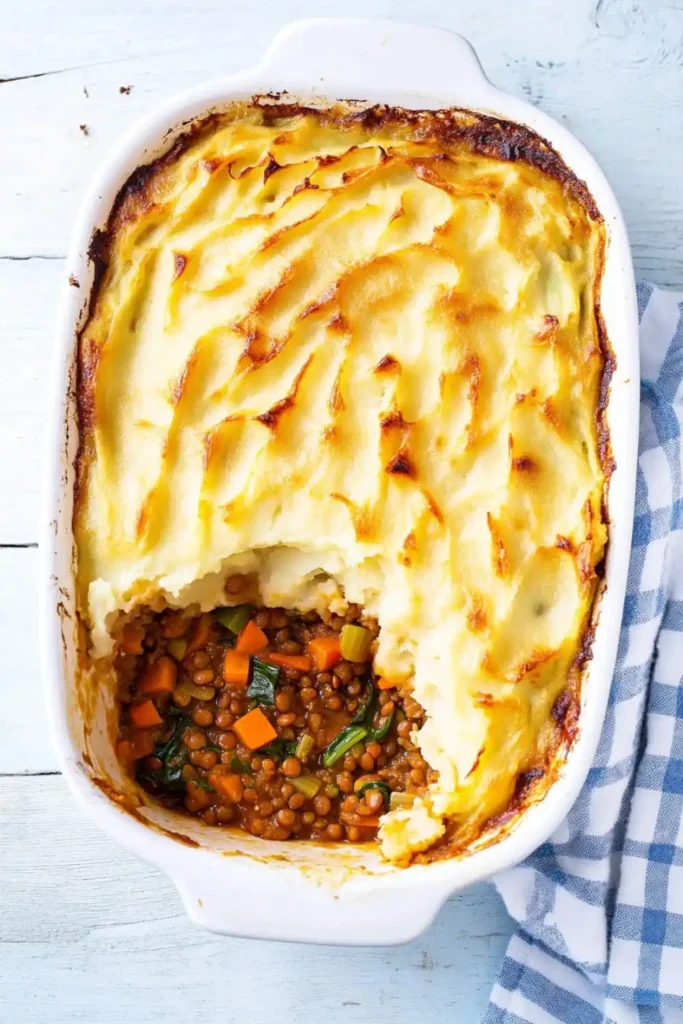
<point x="490" y="137"/>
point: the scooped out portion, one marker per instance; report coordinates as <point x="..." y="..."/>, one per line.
<point x="268" y="720"/>
<point x="356" y="357"/>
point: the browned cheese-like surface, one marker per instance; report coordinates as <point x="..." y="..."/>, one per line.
<point x="360" y="354"/>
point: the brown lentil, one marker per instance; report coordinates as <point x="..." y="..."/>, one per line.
<point x="260" y="796"/>
<point x="374" y="800"/>
<point x="236" y="583"/>
<point x="283" y="701"/>
<point x="202" y="716"/>
<point x="344" y="671"/>
<point x="322" y="805"/>
<point x="291" y="767"/>
<point x="194" y="739"/>
<point x="345" y="782"/>
<point x="203" y="677"/>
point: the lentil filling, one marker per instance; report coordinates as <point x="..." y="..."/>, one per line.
<point x="268" y="720"/>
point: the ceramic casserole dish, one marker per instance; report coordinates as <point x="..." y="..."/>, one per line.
<point x="233" y="882"/>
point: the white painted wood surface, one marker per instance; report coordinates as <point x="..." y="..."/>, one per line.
<point x="94" y="935"/>
<point x="87" y="933"/>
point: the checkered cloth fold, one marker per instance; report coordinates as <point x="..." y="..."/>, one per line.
<point x="600" y="905"/>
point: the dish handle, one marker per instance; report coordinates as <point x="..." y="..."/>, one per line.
<point x="254" y="900"/>
<point x="339" y="52"/>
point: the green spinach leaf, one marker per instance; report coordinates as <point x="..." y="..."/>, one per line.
<point x="367" y="709"/>
<point x="264" y="679"/>
<point x="173" y="755"/>
<point x="278" y="750"/>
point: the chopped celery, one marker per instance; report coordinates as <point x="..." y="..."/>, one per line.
<point x="332" y="791"/>
<point x="181" y="698"/>
<point x="177" y="648"/>
<point x="304" y="746"/>
<point x="234" y="619"/>
<point x="307" y="785"/>
<point x="355" y="642"/>
<point x="200" y="692"/>
<point x="401" y="800"/>
<point x="341" y="745"/>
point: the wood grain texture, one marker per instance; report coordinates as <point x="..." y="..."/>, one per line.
<point x="25" y="746"/>
<point x="29" y="292"/>
<point x="87" y="933"/>
<point x="610" y="69"/>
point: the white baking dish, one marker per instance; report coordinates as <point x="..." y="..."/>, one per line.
<point x="239" y="884"/>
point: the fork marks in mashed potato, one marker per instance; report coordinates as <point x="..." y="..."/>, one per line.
<point x="358" y="354"/>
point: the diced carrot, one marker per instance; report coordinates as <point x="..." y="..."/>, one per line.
<point x="325" y="652"/>
<point x="301" y="662"/>
<point x="132" y="637"/>
<point x="229" y="786"/>
<point x="385" y="684"/>
<point x="143" y="745"/>
<point x="144" y="716"/>
<point x="159" y="677"/>
<point x="236" y="668"/>
<point x="254" y="729"/>
<point x="252" y="639"/>
<point x="201" y="634"/>
<point x="124" y="751"/>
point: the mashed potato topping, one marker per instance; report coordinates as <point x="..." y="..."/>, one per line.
<point x="359" y="355"/>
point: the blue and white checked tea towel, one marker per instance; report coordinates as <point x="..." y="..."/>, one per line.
<point x="600" y="905"/>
